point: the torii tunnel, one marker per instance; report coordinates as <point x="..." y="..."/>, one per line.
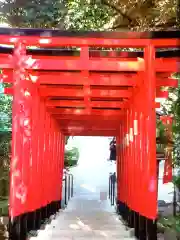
<point x="84" y="84"/>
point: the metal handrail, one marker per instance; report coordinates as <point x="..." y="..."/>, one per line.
<point x="112" y="186"/>
<point x="69" y="187"/>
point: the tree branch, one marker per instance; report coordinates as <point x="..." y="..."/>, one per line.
<point x="124" y="26"/>
<point x="117" y="9"/>
<point x="171" y="23"/>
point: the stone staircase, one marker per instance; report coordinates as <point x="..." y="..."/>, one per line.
<point x="85" y="219"/>
<point x="89" y="214"/>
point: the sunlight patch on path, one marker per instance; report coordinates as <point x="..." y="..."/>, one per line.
<point x="88" y="187"/>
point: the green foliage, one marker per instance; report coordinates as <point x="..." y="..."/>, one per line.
<point x="87" y="15"/>
<point x="144" y="15"/>
<point x="161" y="132"/>
<point x="5" y="137"/>
<point x="91" y="14"/>
<point x="73" y="153"/>
<point x="176" y="128"/>
<point x="71" y="157"/>
<point x="4" y="207"/>
<point x="5" y="133"/>
<point x="34" y="13"/>
<point x="5" y="112"/>
<point x="66" y="139"/>
<point x="4" y="169"/>
<point x="171" y="223"/>
<point x="172" y="106"/>
<point x="176" y="181"/>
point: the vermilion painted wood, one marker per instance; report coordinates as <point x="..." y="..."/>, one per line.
<point x="84" y="56"/>
<point x="101" y="80"/>
<point x="122" y="163"/>
<point x="95" y="79"/>
<point x="137" y="162"/>
<point x="81" y="112"/>
<point x="101" y="42"/>
<point x="35" y="154"/>
<point x="66" y="41"/>
<point x="95" y="93"/>
<point x="21" y="138"/>
<point x="46" y="157"/>
<point x="58" y="169"/>
<point x="135" y="152"/>
<point x="94" y="104"/>
<point x="61" y="163"/>
<point x="125" y="159"/>
<point x="79" y="93"/>
<point x="150" y="172"/>
<point x="87" y="118"/>
<point x="101" y="64"/>
<point x="90" y="65"/>
<point x="51" y="166"/>
<point x="7" y="57"/>
<point x="131" y="143"/>
<point x="139" y="149"/>
<point x="123" y="192"/>
<point x="118" y="161"/>
<point x="127" y="180"/>
<point x="70" y="77"/>
<point x="91" y="133"/>
<point x="80" y="129"/>
<point x="99" y="122"/>
<point x="8" y="91"/>
<point x="62" y="147"/>
<point x="80" y="103"/>
<point x="166" y="82"/>
<point x="56" y="129"/>
<point x="54" y="158"/>
<point x="161" y="94"/>
<point x="165" y="42"/>
<point x="42" y="155"/>
<point x="48" y="160"/>
<point x="88" y="126"/>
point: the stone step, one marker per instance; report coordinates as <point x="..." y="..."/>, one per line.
<point x="102" y="228"/>
<point x="87" y="232"/>
<point x="69" y="226"/>
<point x="93" y="225"/>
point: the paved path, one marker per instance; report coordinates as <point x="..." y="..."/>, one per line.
<point x="85" y="219"/>
<point x="89" y="214"/>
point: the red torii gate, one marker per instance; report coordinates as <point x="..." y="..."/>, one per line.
<point x="84" y="92"/>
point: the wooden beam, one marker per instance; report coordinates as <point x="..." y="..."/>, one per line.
<point x="79" y="93"/>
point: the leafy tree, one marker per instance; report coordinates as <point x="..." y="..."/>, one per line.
<point x="66" y="139"/>
<point x="5" y="123"/>
<point x="138" y="15"/>
<point x="34" y="13"/>
<point x="143" y="15"/>
<point x="71" y="157"/>
<point x="5" y="110"/>
<point x="92" y="14"/>
<point x="5" y="137"/>
<point x="87" y="15"/>
<point x="172" y="107"/>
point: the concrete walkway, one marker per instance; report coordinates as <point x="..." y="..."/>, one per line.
<point x="89" y="214"/>
<point x="85" y="219"/>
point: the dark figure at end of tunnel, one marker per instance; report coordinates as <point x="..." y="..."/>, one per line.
<point x="113" y="150"/>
